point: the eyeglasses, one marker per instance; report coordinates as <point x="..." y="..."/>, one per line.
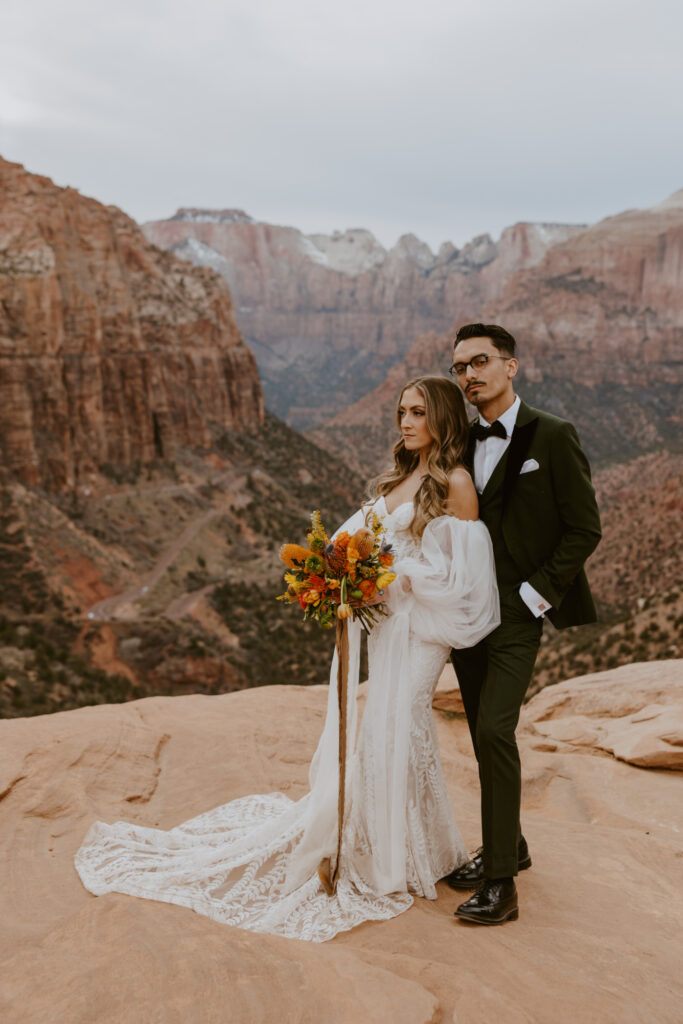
<point x="476" y="362"/>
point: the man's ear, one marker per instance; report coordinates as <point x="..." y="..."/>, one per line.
<point x="512" y="367"/>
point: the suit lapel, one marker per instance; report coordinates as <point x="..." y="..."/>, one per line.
<point x="469" y="451"/>
<point x="522" y="436"/>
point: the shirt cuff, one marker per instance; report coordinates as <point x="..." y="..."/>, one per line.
<point x="536" y="604"/>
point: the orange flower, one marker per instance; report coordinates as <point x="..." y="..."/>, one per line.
<point x="290" y="554"/>
<point x="336" y="559"/>
<point x="368" y="588"/>
<point x="363" y="541"/>
<point x="386" y="558"/>
<point x="311" y="597"/>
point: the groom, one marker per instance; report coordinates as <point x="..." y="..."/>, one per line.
<point x="537" y="500"/>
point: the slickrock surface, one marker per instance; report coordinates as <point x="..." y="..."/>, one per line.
<point x="599" y="934"/>
<point x="637" y="715"/>
<point x="326" y="315"/>
<point x="110" y="350"/>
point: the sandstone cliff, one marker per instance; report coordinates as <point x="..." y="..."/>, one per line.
<point x="600" y="329"/>
<point x="327" y="315"/>
<point x="601" y="322"/>
<point x="599" y="933"/>
<point x="110" y="350"/>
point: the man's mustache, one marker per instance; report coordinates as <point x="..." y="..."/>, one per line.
<point x="474" y="383"/>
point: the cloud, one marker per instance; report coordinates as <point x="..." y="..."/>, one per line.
<point x="445" y="119"/>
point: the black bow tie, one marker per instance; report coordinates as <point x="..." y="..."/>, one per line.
<point x="482" y="433"/>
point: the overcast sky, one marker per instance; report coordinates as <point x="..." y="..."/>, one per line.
<point x="445" y="118"/>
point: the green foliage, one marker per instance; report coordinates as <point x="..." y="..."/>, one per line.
<point x="121" y="474"/>
<point x="309" y="478"/>
<point x="54" y="678"/>
<point x="276" y="646"/>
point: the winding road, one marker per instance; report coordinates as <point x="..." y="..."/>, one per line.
<point x="118" y="606"/>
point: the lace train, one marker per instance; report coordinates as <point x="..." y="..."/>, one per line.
<point x="251" y="863"/>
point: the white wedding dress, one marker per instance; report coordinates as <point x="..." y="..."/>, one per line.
<point x="252" y="863"/>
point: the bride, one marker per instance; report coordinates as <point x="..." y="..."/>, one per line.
<point x="253" y="863"/>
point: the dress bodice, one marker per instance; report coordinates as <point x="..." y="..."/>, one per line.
<point x="397" y="528"/>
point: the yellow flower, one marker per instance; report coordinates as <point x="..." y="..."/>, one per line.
<point x="344" y="611"/>
<point x="311" y="597"/>
<point x="295" y="585"/>
<point x="375" y="523"/>
<point x="384" y="579"/>
<point x="332" y="584"/>
<point x="317" y="538"/>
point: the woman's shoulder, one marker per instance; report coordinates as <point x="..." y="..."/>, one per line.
<point x="460" y="483"/>
<point x="462" y="498"/>
<point x="460" y="476"/>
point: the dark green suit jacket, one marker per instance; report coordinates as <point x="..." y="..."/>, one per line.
<point x="549" y="516"/>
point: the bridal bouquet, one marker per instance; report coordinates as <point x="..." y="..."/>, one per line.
<point x="336" y="579"/>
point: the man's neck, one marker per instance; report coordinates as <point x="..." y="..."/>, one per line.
<point x="493" y="410"/>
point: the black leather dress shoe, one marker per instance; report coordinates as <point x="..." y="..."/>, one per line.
<point x="493" y="903"/>
<point x="471" y="874"/>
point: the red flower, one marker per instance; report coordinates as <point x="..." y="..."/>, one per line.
<point x="317" y="583"/>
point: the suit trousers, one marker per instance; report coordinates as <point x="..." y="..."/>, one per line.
<point x="494" y="676"/>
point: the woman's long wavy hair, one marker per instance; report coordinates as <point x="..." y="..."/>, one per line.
<point x="447" y="422"/>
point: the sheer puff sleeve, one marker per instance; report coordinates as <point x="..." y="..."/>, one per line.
<point x="449" y="587"/>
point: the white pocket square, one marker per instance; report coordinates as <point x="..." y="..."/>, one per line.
<point x="529" y="466"/>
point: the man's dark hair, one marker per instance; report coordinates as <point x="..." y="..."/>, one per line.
<point x="501" y="338"/>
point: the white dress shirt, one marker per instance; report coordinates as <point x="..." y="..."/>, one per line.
<point x="487" y="455"/>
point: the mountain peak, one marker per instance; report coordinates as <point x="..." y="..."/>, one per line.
<point x="350" y="252"/>
<point x="675" y="201"/>
<point x="197" y="215"/>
